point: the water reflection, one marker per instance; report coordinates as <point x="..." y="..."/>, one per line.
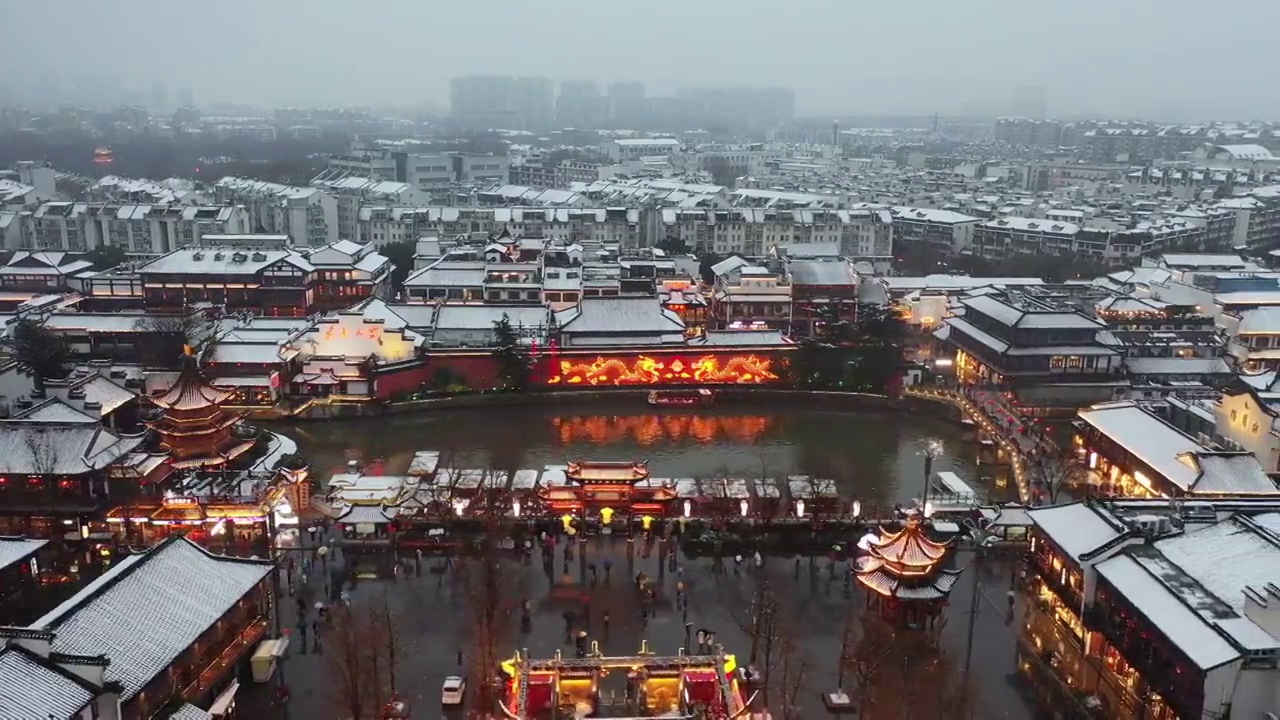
<point x="872" y="456"/>
<point x="649" y="429"/>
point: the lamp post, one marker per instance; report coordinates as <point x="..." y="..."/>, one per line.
<point x="932" y="449"/>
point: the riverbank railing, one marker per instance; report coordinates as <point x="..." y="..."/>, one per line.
<point x="1007" y="442"/>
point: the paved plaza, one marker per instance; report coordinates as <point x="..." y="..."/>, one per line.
<point x="815" y="598"/>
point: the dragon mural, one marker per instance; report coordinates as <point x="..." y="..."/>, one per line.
<point x="645" y="370"/>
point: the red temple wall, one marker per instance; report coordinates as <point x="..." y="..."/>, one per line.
<point x="686" y="366"/>
<point x="615" y="368"/>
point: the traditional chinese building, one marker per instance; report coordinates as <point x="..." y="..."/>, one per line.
<point x="20" y="563"/>
<point x="58" y="470"/>
<point x="175" y="624"/>
<point x="602" y="488"/>
<point x="193" y="426"/>
<point x="683" y="686"/>
<point x="903" y="571"/>
<point x="1155" y="609"/>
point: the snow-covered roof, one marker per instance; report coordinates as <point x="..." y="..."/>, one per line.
<point x="147" y="610"/>
<point x="1259" y="321"/>
<point x="13" y="549"/>
<point x="1146" y="437"/>
<point x="904" y="283"/>
<point x="223" y="261"/>
<point x="1077" y="528"/>
<point x="979" y="335"/>
<point x="1177" y="457"/>
<point x="1178" y="366"/>
<point x="32" y="689"/>
<point x="35" y="447"/>
<point x="1184" y="628"/>
<point x="1192" y="261"/>
<point x="619" y="315"/>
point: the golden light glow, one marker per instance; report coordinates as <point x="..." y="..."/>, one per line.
<point x="739" y="369"/>
<point x="657" y="428"/>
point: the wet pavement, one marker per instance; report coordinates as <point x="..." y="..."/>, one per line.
<point x="815" y="597"/>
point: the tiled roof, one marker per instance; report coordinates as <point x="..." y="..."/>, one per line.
<point x="13" y="549"/>
<point x="35" y="447"/>
<point x="144" y="613"/>
<point x="30" y="690"/>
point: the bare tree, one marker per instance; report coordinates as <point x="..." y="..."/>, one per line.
<point x="44" y="453"/>
<point x="1053" y="473"/>
<point x="906" y="675"/>
<point x="367" y="649"/>
<point x="346" y="665"/>
<point x="773" y="656"/>
<point x="175" y="332"/>
<point x="490" y="588"/>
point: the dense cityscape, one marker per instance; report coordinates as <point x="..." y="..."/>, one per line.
<point x="575" y="399"/>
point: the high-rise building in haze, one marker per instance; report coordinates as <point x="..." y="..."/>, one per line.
<point x="535" y="102"/>
<point x="580" y="105"/>
<point x="742" y="107"/>
<point x="1031" y="101"/>
<point x="483" y="101"/>
<point x="159" y="96"/>
<point x="628" y="105"/>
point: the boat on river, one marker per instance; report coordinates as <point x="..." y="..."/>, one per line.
<point x="681" y="398"/>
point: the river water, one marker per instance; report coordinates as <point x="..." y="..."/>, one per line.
<point x="874" y="456"/>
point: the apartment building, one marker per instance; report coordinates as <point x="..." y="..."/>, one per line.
<point x="1026" y="132"/>
<point x="158" y="229"/>
<point x="433" y="174"/>
<point x="560" y="175"/>
<point x="560" y="225"/>
<point x="942" y="230"/>
<point x="353" y="192"/>
<point x="309" y="216"/>
<point x="632" y="149"/>
<point x="137" y="229"/>
<point x="860" y="234"/>
<point x="1012" y="236"/>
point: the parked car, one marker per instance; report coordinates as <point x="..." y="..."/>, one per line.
<point x="453" y="690"/>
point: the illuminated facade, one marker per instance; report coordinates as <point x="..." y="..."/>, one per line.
<point x="1130" y="452"/>
<point x="664" y="370"/>
<point x="601" y="489"/>
<point x="338" y="352"/>
<point x="903" y="571"/>
<point x="1138" y="612"/>
<point x="683" y="687"/>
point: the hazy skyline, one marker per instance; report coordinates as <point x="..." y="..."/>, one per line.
<point x="1107" y="58"/>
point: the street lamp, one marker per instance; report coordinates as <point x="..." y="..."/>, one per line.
<point x="932" y="449"/>
<point x="799" y="508"/>
<point x="857" y="508"/>
<point x="688" y="508"/>
<point x="515" y="508"/>
<point x="743" y="506"/>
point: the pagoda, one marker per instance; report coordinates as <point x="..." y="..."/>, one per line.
<point x="193" y="426"/>
<point x="903" y="571"/>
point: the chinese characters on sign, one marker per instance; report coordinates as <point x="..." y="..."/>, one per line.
<point x="335" y="332"/>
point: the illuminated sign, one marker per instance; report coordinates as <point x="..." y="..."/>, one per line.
<point x="176" y="501"/>
<point x="738" y="369"/>
<point x="371" y="332"/>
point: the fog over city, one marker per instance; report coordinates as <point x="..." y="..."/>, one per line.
<point x="1175" y="60"/>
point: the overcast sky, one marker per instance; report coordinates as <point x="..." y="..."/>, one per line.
<point x="1178" y="59"/>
